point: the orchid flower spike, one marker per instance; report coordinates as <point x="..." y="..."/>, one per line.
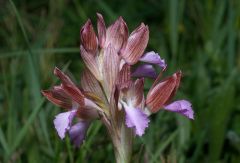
<point x="110" y="90"/>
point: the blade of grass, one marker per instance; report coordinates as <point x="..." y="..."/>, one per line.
<point x="231" y="37"/>
<point x="107" y="9"/>
<point x="221" y="112"/>
<point x="22" y="28"/>
<point x="42" y="51"/>
<point x="163" y="146"/>
<point x="23" y="131"/>
<point x="4" y="142"/>
<point x="94" y="129"/>
<point x="34" y="84"/>
<point x="30" y="120"/>
<point x="69" y="151"/>
<point x="173" y="14"/>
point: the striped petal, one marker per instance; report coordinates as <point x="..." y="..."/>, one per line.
<point x="89" y="38"/>
<point x="136" y="44"/>
<point x="90" y="84"/>
<point x="58" y="97"/>
<point x="117" y="34"/>
<point x="69" y="87"/>
<point x="161" y="93"/>
<point x="135" y="93"/>
<point x="111" y="62"/>
<point x="124" y="77"/>
<point x="90" y="62"/>
<point x="101" y="30"/>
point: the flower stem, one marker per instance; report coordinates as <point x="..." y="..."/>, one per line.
<point x="123" y="145"/>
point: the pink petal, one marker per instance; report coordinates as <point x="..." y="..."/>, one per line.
<point x="90" y="83"/>
<point x="124" y="77"/>
<point x="111" y="62"/>
<point x="136" y="44"/>
<point x="158" y="96"/>
<point x="135" y="93"/>
<point x="117" y="34"/>
<point x="91" y="62"/>
<point x="89" y="38"/>
<point x="154" y="58"/>
<point x="78" y="132"/>
<point x="182" y="107"/>
<point x="145" y="71"/>
<point x="62" y="122"/>
<point x="58" y="97"/>
<point x="101" y="30"/>
<point x="137" y="119"/>
<point x="69" y="87"/>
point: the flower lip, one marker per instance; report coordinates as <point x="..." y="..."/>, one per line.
<point x="78" y="132"/>
<point x="154" y="58"/>
<point x="63" y="121"/>
<point x="182" y="107"/>
<point x="136" y="119"/>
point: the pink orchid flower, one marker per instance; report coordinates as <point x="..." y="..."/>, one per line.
<point x="110" y="91"/>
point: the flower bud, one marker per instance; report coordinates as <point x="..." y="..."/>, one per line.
<point x="136" y="44"/>
<point x="88" y="37"/>
<point x="117" y="34"/>
<point x="101" y="30"/>
<point x="159" y="95"/>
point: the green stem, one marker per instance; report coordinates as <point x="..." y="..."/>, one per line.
<point x="122" y="142"/>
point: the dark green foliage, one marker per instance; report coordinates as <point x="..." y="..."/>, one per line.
<point x="199" y="37"/>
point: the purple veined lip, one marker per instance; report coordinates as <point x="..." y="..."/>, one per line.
<point x="182" y="107"/>
<point x="136" y="119"/>
<point x="63" y="122"/>
<point x="153" y="58"/>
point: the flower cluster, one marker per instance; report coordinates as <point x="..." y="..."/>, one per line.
<point x="111" y="90"/>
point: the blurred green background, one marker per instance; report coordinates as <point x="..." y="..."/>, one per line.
<point x="200" y="37"/>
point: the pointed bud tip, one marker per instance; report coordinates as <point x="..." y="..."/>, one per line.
<point x="86" y="26"/>
<point x="56" y="71"/>
<point x="120" y="18"/>
<point x="141" y="80"/>
<point x="121" y="21"/>
<point x="44" y="92"/>
<point x="98" y="14"/>
<point x="179" y="72"/>
<point x="99" y="17"/>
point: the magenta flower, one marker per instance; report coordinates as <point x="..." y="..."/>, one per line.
<point x="110" y="92"/>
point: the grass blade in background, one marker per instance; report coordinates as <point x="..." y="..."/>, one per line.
<point x="220" y="110"/>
